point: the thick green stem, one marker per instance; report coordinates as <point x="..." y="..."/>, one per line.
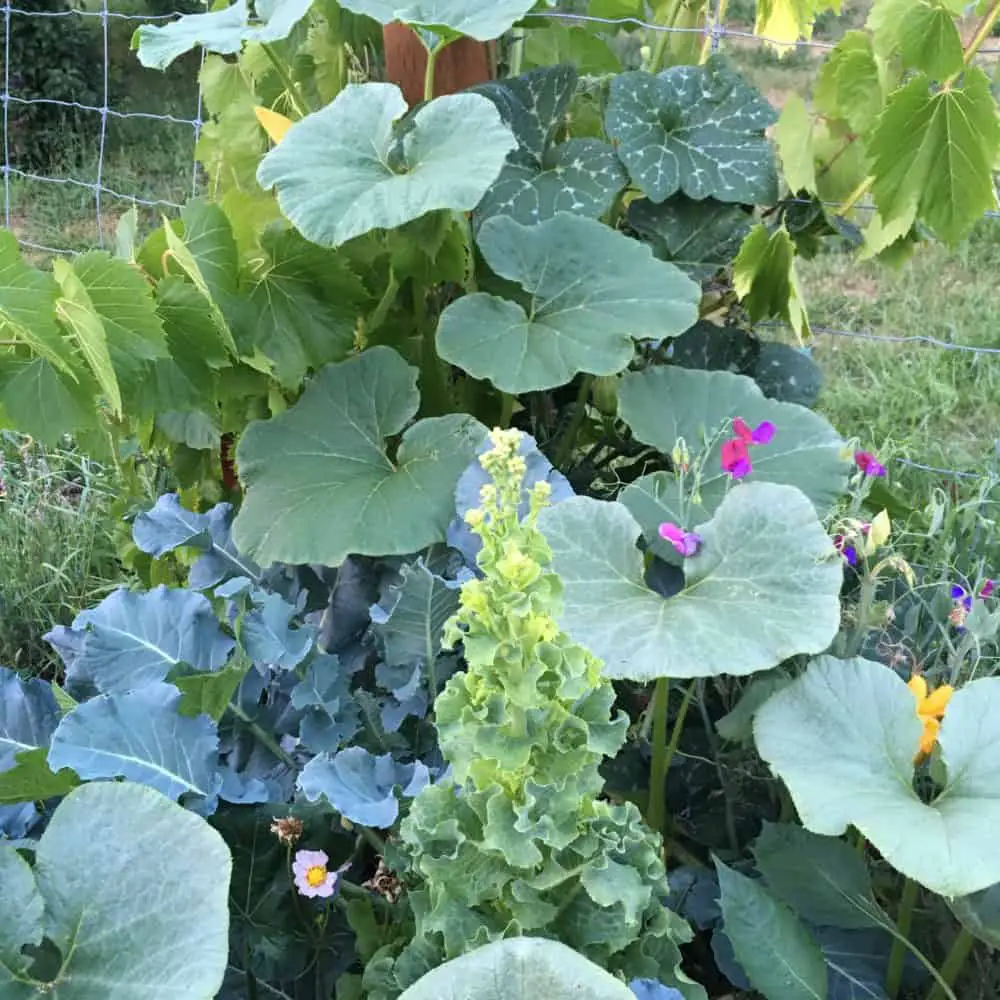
<point x="894" y="977"/>
<point x="516" y="54"/>
<point x="432" y="55"/>
<point x="865" y="601"/>
<point x="664" y="749"/>
<point x="960" y="950"/>
<point x="568" y="441"/>
<point x="434" y="396"/>
<point x="294" y="94"/>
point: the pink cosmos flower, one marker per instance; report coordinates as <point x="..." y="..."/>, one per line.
<point x="686" y="543"/>
<point x="763" y="433"/>
<point x="869" y="464"/>
<point x="311" y="875"/>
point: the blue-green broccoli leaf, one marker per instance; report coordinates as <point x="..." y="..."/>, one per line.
<point x="361" y="786"/>
<point x="268" y="637"/>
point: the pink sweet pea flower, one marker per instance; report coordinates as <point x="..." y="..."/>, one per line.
<point x="686" y="543"/>
<point x="311" y="875"/>
<point x="988" y="587"/>
<point x="869" y="464"/>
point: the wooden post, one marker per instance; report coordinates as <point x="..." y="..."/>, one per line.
<point x="460" y="65"/>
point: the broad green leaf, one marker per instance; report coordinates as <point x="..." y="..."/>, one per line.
<point x="347" y="169"/>
<point x="483" y="21"/>
<point x="101" y="840"/>
<point x="852" y="82"/>
<point x="520" y="968"/>
<point x="979" y="914"/>
<point x="207" y="255"/>
<point x="922" y="32"/>
<point x="737" y="724"/>
<point x="31" y="779"/>
<point x="794" y="136"/>
<point x="763" y="587"/>
<point x="42" y="401"/>
<point x="592" y="289"/>
<point x="127" y="234"/>
<point x="766" y="281"/>
<point x="28" y="718"/>
<point x="224" y="31"/>
<point x="140" y="736"/>
<point x="788" y="374"/>
<point x="843" y="738"/>
<point x="23" y="920"/>
<point x="27" y="306"/>
<point x="541" y="178"/>
<point x="694" y="129"/>
<point x="780" y="957"/>
<point x="133" y="638"/>
<point x="194" y="429"/>
<point x="824" y="880"/>
<point x="699" y="237"/>
<point x="570" y="43"/>
<point x="209" y="694"/>
<point x="664" y="405"/>
<point x="303" y="305"/>
<point x="935" y="151"/>
<point x="320" y="483"/>
<point x="75" y="308"/>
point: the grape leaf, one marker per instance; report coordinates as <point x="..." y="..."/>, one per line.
<point x="483" y="21"/>
<point x="76" y="311"/>
<point x="345" y="170"/>
<point x="935" y="151"/>
<point x="224" y="31"/>
<point x="593" y="290"/>
<point x="699" y="237"/>
<point x="922" y="32"/>
<point x="764" y="586"/>
<point x="320" y="484"/>
<point x="44" y="402"/>
<point x="852" y="82"/>
<point x="794" y="134"/>
<point x="766" y="281"/>
<point x="694" y="129"/>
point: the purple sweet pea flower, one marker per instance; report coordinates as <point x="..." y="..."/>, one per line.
<point x="849" y="552"/>
<point x="686" y="543"/>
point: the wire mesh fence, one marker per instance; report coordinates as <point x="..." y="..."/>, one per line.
<point x="91" y="179"/>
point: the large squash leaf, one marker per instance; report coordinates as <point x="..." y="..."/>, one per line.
<point x="474" y="18"/>
<point x="843" y="738"/>
<point x="764" y="586"/>
<point x="119" y="856"/>
<point x="321" y="483"/>
<point x="694" y="129"/>
<point x="592" y="292"/>
<point x="347" y="169"/>
<point x="224" y="31"/>
<point x="663" y="405"/>
<point x="521" y="968"/>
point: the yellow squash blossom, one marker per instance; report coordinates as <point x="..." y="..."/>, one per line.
<point x="930" y="710"/>
<point x="273" y="124"/>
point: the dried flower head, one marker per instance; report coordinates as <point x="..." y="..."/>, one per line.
<point x="287" y="829"/>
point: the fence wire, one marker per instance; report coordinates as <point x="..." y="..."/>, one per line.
<point x="714" y="31"/>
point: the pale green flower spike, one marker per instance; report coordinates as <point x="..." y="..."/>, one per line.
<point x="519" y="840"/>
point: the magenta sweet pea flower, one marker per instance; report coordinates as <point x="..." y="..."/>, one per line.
<point x="869" y="464"/>
<point x="686" y="543"/>
<point x="735" y="458"/>
<point x="987" y="589"/>
<point x="763" y="433"/>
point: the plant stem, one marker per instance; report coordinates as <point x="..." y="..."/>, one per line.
<point x="294" y="94"/>
<point x="507" y="403"/>
<point x="433" y="381"/>
<point x="264" y="736"/>
<point x="961" y="948"/>
<point x="568" y="441"/>
<point x="516" y="54"/>
<point x="717" y="21"/>
<point x="664" y="750"/>
<point x="904" y="922"/>
<point x="385" y="303"/>
<point x="666" y="20"/>
<point x="432" y="55"/>
<point x="856" y="195"/>
<point x="865" y="601"/>
<point x="976" y="42"/>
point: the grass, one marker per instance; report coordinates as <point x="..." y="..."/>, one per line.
<point x="57" y="547"/>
